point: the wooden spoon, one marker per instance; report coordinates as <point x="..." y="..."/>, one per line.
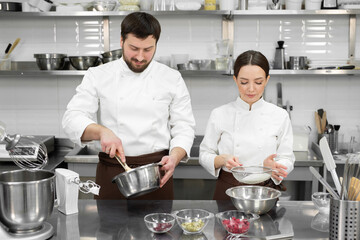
<point x="123" y="164"/>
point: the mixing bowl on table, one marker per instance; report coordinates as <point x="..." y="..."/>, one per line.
<point x="253" y="199"/>
<point x="26" y="199"/>
<point x="193" y="221"/>
<point x="236" y="222"/>
<point x="159" y="222"/>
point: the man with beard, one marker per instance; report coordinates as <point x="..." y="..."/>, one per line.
<point x="136" y="108"/>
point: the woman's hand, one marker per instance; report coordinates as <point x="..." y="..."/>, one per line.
<point x="279" y="170"/>
<point x="111" y="144"/>
<point x="229" y="161"/>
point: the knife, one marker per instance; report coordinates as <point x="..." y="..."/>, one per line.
<point x="324" y="183"/>
<point x="329" y="162"/>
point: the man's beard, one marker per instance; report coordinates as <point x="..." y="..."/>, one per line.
<point x="133" y="68"/>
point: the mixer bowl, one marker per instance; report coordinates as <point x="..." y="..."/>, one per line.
<point x="26" y="199"/>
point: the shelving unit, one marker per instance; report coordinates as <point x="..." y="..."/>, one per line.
<point x="227" y="33"/>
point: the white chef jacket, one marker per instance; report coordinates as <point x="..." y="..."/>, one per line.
<point x="252" y="135"/>
<point x="149" y="111"/>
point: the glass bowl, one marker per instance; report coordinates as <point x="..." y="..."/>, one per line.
<point x="236" y="222"/>
<point x="321" y="201"/>
<point x="251" y="174"/>
<point x="193" y="221"/>
<point x="159" y="222"/>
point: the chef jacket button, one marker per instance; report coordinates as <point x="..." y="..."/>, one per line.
<point x="237" y="145"/>
<point x="259" y="147"/>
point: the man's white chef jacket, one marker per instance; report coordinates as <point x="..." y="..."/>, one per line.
<point x="149" y="111"/>
<point x="252" y="135"/>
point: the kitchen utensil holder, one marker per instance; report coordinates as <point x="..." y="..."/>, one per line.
<point x="344" y="219"/>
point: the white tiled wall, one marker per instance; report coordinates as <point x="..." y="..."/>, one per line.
<point x="35" y="105"/>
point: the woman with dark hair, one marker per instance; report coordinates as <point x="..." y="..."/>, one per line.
<point x="248" y="131"/>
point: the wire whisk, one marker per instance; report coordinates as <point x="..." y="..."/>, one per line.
<point x="25" y="152"/>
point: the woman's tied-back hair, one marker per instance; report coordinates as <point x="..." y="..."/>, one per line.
<point x="251" y="57"/>
<point x="140" y="24"/>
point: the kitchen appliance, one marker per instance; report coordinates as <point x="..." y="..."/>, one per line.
<point x="26" y="201"/>
<point x="279" y="61"/>
<point x="67" y="190"/>
<point x="24" y="151"/>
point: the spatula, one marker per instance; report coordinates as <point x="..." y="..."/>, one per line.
<point x="329" y="162"/>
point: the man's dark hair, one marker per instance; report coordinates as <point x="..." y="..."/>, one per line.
<point x="251" y="57"/>
<point x="140" y="24"/>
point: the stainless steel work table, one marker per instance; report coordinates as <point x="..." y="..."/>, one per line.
<point x="122" y="219"/>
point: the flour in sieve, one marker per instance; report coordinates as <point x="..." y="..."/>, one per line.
<point x="255" y="178"/>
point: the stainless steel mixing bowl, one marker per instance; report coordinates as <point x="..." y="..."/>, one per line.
<point x="26" y="199"/>
<point x="83" y="62"/>
<point x="50" y="61"/>
<point x="112" y="53"/>
<point x="138" y="181"/>
<point x="253" y="199"/>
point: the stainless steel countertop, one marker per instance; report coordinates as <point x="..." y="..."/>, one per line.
<point x="123" y="219"/>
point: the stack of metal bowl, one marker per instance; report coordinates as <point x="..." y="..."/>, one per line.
<point x="253" y="199"/>
<point x="111" y="55"/>
<point x="84" y="62"/>
<point x="50" y="61"/>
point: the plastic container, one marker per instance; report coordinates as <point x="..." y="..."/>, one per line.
<point x="257" y="4"/>
<point x="293" y="4"/>
<point x="312" y="4"/>
<point x="5" y="64"/>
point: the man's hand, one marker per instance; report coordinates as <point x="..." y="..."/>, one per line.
<point x="279" y="170"/>
<point x="170" y="162"/>
<point x="110" y="143"/>
<point x="229" y="161"/>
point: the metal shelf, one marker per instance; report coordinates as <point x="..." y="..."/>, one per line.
<point x="295" y="12"/>
<point x="109" y="14"/>
<point x="183" y="13"/>
<point x="189" y="73"/>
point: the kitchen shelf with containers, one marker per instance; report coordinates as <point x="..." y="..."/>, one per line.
<point x="197" y="13"/>
<point x="185" y="73"/>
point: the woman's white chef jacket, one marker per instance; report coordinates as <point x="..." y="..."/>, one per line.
<point x="250" y="135"/>
<point x="149" y="111"/>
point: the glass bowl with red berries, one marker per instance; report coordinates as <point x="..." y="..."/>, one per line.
<point x="159" y="222"/>
<point x="236" y="222"/>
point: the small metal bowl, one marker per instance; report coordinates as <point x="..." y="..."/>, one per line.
<point x="50" y="61"/>
<point x="110" y="59"/>
<point x="109" y="54"/>
<point x="83" y="62"/>
<point x="188" y="66"/>
<point x="253" y="199"/>
<point x="102" y="6"/>
<point x="204" y="64"/>
<point x="138" y="181"/>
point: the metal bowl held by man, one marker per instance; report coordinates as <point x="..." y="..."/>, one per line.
<point x="26" y="201"/>
<point x="50" y="61"/>
<point x="138" y="181"/>
<point x="253" y="199"/>
<point x="84" y="62"/>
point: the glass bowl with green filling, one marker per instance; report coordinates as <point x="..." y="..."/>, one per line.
<point x="193" y="221"/>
